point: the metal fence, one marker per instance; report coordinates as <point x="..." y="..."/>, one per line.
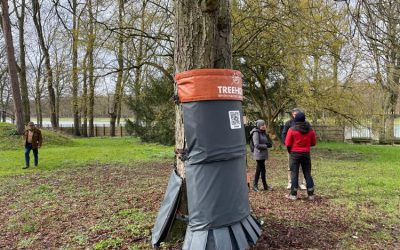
<point x="361" y="132"/>
<point x="397" y="128"/>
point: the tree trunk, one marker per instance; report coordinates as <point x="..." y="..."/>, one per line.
<point x="90" y="69"/>
<point x="58" y="86"/>
<point x="84" y="98"/>
<point x="22" y="72"/>
<point x="118" y="86"/>
<point x="75" y="103"/>
<point x="12" y="68"/>
<point x="38" y="95"/>
<point x="3" y="104"/>
<point x="202" y="40"/>
<point x="50" y="89"/>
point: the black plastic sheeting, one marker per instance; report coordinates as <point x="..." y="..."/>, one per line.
<point x="240" y="235"/>
<point x="217" y="191"/>
<point x="167" y="212"/>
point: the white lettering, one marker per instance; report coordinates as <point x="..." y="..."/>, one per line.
<point x="230" y="90"/>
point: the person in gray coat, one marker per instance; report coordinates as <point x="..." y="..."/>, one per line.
<point x="260" y="154"/>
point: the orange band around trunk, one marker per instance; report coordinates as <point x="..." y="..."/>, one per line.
<point x="209" y="84"/>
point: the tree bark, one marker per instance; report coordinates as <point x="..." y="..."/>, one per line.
<point x="90" y="68"/>
<point x="50" y="89"/>
<point x="75" y="85"/>
<point x="118" y="86"/>
<point x="203" y="39"/>
<point x="22" y="72"/>
<point x="12" y="68"/>
<point x="84" y="98"/>
<point x="38" y="102"/>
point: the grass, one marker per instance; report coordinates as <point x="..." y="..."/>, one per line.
<point x="60" y="152"/>
<point x="10" y="141"/>
<point x="364" y="173"/>
<point x="104" y="193"/>
<point x="365" y="179"/>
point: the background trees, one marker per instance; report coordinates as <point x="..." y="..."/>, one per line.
<point x="12" y="67"/>
<point x="323" y="56"/>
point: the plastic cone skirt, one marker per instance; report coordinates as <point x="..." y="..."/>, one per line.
<point x="217" y="192"/>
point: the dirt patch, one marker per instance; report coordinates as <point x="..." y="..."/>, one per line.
<point x="338" y="155"/>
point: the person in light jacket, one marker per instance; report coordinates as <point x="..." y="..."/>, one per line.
<point x="260" y="154"/>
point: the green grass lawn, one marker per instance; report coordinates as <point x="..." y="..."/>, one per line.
<point x="365" y="179"/>
<point x="369" y="173"/>
<point x="59" y="151"/>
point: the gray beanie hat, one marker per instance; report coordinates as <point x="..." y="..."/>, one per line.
<point x="259" y="123"/>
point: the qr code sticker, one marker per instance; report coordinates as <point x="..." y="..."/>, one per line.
<point x="234" y="117"/>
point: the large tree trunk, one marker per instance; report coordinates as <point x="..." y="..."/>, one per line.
<point x="202" y="40"/>
<point x="75" y="86"/>
<point x="118" y="86"/>
<point x="22" y="72"/>
<point x="12" y="68"/>
<point x="50" y="89"/>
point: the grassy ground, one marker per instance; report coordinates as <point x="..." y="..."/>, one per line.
<point x="104" y="193"/>
<point x="357" y="205"/>
<point x="59" y="151"/>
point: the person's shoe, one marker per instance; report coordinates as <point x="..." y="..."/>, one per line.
<point x="291" y="197"/>
<point x="25" y="167"/>
<point x="289" y="185"/>
<point x="268" y="188"/>
<point x="255" y="188"/>
<point x="311" y="197"/>
<point x="302" y="186"/>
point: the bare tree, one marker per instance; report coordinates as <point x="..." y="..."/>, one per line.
<point x="22" y="68"/>
<point x="90" y="68"/>
<point x="118" y="86"/>
<point x="52" y="98"/>
<point x="5" y="95"/>
<point x="379" y="25"/>
<point x="75" y="85"/>
<point x="12" y="68"/>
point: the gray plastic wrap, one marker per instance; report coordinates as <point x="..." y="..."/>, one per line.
<point x="215" y="163"/>
<point x="167" y="212"/>
<point x="216" y="184"/>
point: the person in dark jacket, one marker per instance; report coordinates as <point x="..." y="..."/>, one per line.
<point x="299" y="140"/>
<point x="260" y="154"/>
<point x="33" y="141"/>
<point x="285" y="129"/>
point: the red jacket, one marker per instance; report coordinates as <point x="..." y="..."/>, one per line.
<point x="300" y="138"/>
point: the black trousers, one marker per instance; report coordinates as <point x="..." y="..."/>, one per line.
<point x="303" y="159"/>
<point x="260" y="170"/>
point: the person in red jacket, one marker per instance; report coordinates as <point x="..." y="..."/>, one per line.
<point x="299" y="140"/>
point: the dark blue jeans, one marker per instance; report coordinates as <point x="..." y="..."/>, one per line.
<point x="28" y="148"/>
<point x="303" y="159"/>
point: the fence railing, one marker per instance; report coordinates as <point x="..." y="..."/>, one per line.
<point x="361" y="132"/>
<point x="99" y="130"/>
